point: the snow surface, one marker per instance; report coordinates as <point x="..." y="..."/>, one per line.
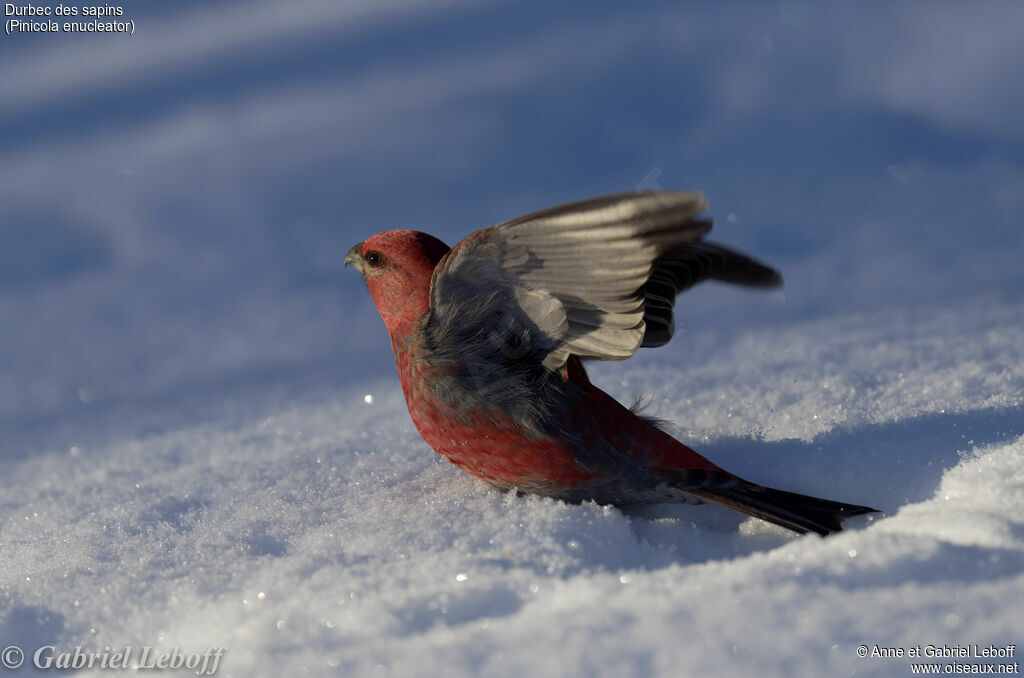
<point x="202" y="438"/>
<point x="328" y="538"/>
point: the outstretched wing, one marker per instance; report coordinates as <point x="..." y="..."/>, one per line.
<point x="574" y="275"/>
<point x="596" y="279"/>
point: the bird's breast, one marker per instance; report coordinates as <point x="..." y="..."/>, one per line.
<point x="490" y="444"/>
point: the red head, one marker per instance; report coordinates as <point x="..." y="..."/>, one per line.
<point x="397" y="266"/>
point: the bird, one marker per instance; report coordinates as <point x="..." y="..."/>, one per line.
<point x="490" y="339"/>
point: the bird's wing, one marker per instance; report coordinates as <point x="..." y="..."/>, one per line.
<point x="685" y="265"/>
<point x="590" y="279"/>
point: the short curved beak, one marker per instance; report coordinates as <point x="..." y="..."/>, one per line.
<point x="353" y="259"/>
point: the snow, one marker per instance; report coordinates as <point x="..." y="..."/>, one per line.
<point x="329" y="538"/>
<point x="202" y="439"/>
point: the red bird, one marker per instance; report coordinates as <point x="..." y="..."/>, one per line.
<point x="490" y="338"/>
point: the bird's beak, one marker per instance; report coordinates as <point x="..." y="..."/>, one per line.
<point x="353" y="259"/>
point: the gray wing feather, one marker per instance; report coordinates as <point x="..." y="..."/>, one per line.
<point x="576" y="274"/>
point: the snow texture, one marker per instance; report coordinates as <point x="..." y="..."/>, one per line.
<point x="202" y="438"/>
<point x="329" y="538"/>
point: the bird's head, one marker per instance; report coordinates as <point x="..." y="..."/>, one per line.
<point x="397" y="266"/>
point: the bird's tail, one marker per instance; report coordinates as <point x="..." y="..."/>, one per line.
<point x="797" y="512"/>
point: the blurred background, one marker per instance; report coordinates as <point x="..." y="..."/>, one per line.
<point x="175" y="205"/>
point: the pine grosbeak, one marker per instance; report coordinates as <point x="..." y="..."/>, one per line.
<point x="489" y="338"/>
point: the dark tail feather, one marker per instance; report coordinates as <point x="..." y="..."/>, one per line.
<point x="797" y="512"/>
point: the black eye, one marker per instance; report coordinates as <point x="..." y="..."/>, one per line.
<point x="373" y="258"/>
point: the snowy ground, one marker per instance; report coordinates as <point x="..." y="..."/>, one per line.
<point x="326" y="538"/>
<point x="187" y="454"/>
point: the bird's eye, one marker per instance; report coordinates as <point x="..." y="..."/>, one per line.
<point x="373" y="258"/>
